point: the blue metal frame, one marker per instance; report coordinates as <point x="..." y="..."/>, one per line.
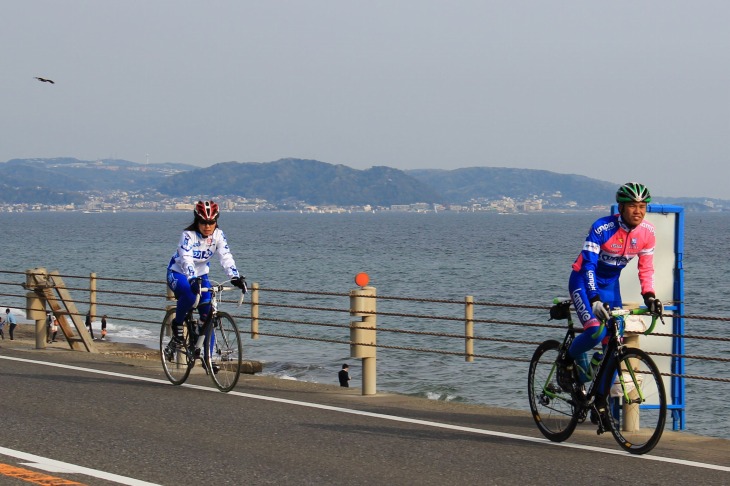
<point x="677" y="404"/>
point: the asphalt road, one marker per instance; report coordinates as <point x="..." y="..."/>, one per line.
<point x="112" y="420"/>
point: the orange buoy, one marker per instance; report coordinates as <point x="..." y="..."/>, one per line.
<point x="362" y="279"/>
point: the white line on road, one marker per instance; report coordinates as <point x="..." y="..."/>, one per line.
<point x="52" y="465"/>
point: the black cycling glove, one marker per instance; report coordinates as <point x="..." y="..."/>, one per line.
<point x="240" y="282"/>
<point x="654" y="305"/>
<point x="195" y="285"/>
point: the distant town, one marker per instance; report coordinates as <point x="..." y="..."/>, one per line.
<point x="118" y="201"/>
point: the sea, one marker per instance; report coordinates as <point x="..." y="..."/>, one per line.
<point x="521" y="259"/>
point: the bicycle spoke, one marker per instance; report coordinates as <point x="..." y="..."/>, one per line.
<point x="638" y="403"/>
<point x="225" y="355"/>
<point x="551" y="406"/>
<point x="176" y="361"/>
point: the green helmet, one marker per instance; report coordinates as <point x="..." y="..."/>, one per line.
<point x="633" y="192"/>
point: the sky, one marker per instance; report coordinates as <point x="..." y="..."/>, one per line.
<point x="616" y="91"/>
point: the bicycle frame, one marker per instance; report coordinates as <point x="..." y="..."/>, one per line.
<point x="214" y="291"/>
<point x="216" y="341"/>
<point x="613" y="347"/>
<point x="558" y="407"/>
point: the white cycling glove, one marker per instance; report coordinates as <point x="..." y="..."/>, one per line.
<point x="600" y="310"/>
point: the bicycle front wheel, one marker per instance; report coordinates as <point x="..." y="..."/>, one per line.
<point x="225" y="354"/>
<point x="551" y="406"/>
<point x="176" y="360"/>
<point x="639" y="409"/>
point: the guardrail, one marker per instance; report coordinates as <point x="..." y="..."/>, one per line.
<point x="506" y="332"/>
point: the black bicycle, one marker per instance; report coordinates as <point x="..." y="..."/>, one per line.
<point x="637" y="408"/>
<point x="216" y="342"/>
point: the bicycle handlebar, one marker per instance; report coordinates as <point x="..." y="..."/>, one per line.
<point x="625" y="312"/>
<point x="638" y="312"/>
<point x="216" y="289"/>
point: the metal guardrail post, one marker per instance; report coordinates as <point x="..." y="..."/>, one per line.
<point x="469" y="328"/>
<point x="255" y="310"/>
<point x="362" y="332"/>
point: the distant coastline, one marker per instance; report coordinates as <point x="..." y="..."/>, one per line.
<point x="298" y="185"/>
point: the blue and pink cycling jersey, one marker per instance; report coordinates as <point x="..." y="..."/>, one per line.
<point x="608" y="248"/>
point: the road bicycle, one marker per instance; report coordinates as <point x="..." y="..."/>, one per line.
<point x="216" y="342"/>
<point x="637" y="402"/>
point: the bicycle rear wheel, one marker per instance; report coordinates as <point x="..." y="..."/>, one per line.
<point x="177" y="363"/>
<point x="224" y="357"/>
<point x="551" y="406"/>
<point x="638" y="422"/>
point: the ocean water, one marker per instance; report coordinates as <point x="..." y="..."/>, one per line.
<point x="513" y="259"/>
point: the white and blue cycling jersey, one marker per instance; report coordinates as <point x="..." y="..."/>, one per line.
<point x="192" y="260"/>
<point x="195" y="251"/>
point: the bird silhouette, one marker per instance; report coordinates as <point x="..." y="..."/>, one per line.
<point x="44" y="80"/>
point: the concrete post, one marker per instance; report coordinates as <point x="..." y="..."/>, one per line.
<point x="35" y="309"/>
<point x="92" y="295"/>
<point x="35" y="304"/>
<point x="469" y="328"/>
<point x="362" y="335"/>
<point x="630" y="422"/>
<point x="170" y="297"/>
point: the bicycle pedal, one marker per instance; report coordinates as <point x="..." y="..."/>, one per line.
<point x="601" y="419"/>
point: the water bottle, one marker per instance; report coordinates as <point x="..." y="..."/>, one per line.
<point x="583" y="364"/>
<point x="595" y="361"/>
<point x="198" y="333"/>
<point x="199" y="343"/>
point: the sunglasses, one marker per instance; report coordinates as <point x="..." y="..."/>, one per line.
<point x="207" y="222"/>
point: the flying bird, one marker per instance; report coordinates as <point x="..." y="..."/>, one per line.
<point x="44" y="80"/>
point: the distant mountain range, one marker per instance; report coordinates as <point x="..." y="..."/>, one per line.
<point x="304" y="180"/>
<point x="69" y="180"/>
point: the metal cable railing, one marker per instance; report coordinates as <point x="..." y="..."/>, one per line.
<point x="151" y="302"/>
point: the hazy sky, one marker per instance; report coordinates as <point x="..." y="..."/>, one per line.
<point x="617" y="90"/>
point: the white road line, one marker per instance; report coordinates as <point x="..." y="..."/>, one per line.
<point x="395" y="418"/>
<point x="53" y="465"/>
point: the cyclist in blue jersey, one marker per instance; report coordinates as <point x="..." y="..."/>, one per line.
<point x="189" y="266"/>
<point x="611" y="243"/>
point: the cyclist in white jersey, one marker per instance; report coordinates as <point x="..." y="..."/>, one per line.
<point x="189" y="266"/>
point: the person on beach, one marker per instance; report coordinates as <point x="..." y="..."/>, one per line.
<point x="88" y="325"/>
<point x="188" y="269"/>
<point x="54" y="329"/>
<point x="594" y="282"/>
<point x="10" y="319"/>
<point x="2" y="325"/>
<point x="49" y="324"/>
<point x="103" y="327"/>
<point x="344" y="376"/>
